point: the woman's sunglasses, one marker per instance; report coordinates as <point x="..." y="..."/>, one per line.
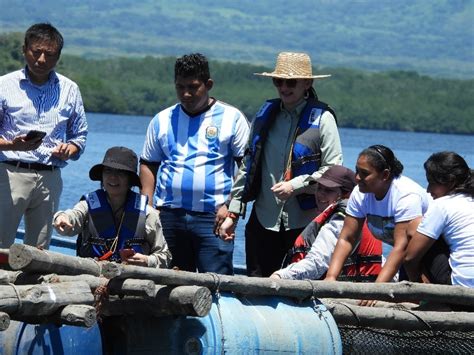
<point x="290" y="83"/>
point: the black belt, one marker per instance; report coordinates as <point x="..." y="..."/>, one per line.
<point x="182" y="211"/>
<point x="30" y="166"/>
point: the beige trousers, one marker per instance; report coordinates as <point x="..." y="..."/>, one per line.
<point x="33" y="195"/>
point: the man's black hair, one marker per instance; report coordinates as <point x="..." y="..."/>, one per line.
<point x="44" y="31"/>
<point x="192" y="65"/>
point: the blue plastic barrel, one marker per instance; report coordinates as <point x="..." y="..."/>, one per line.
<point x="240" y="325"/>
<point x="23" y="338"/>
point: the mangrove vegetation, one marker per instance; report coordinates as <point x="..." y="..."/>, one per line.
<point x="391" y="100"/>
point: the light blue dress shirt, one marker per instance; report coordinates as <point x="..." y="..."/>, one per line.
<point x="55" y="107"/>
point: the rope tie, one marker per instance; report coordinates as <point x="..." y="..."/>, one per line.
<point x="99" y="265"/>
<point x="320" y="314"/>
<point x="350" y="310"/>
<point x="17" y="295"/>
<point x="313" y="299"/>
<point x="419" y="318"/>
<point x="101" y="294"/>
<point x="217" y="282"/>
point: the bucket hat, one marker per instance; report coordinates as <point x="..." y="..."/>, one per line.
<point x="290" y="65"/>
<point x="338" y="176"/>
<point x="120" y="158"/>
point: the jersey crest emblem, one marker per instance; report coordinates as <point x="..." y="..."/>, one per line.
<point x="211" y="132"/>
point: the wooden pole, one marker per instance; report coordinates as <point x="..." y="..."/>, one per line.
<point x="93" y="281"/>
<point x="28" y="258"/>
<point x="75" y="315"/>
<point x="78" y="315"/>
<point x="193" y="300"/>
<point x="130" y="287"/>
<point x="19" y="277"/>
<point x="4" y="321"/>
<point x="44" y="299"/>
<point x="398" y="319"/>
<point x="182" y="300"/>
<point x="390" y="292"/>
<point x="7" y="276"/>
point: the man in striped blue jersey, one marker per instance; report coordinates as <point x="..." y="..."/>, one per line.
<point x="42" y="125"/>
<point x="187" y="167"/>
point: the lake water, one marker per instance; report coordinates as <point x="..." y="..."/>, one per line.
<point x="105" y="131"/>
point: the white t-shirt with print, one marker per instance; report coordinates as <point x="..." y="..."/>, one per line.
<point x="453" y="217"/>
<point x="404" y="201"/>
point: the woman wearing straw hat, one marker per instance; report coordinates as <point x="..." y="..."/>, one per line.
<point x="294" y="140"/>
<point x="114" y="222"/>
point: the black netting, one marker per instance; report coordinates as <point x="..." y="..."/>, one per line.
<point x="356" y="340"/>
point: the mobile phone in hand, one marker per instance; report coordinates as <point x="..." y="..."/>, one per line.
<point x="126" y="253"/>
<point x="35" y="135"/>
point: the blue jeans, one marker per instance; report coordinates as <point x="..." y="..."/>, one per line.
<point x="192" y="241"/>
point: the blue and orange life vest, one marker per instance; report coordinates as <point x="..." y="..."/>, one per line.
<point x="306" y="149"/>
<point x="103" y="229"/>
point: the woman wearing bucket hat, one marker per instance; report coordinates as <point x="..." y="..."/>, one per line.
<point x="115" y="223"/>
<point x="311" y="254"/>
<point x="294" y="139"/>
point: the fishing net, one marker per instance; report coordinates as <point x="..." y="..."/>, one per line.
<point x="358" y="340"/>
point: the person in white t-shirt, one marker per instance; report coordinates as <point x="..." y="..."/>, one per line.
<point x="443" y="245"/>
<point x="392" y="204"/>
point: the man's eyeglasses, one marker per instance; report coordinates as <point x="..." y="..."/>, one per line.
<point x="290" y="83"/>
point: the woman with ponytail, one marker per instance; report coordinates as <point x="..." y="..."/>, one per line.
<point x="392" y="204"/>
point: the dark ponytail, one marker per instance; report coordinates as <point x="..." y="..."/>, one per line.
<point x="312" y="93"/>
<point x="381" y="158"/>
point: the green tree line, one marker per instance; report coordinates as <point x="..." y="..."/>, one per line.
<point x="395" y="100"/>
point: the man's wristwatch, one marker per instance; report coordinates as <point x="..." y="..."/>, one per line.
<point x="232" y="215"/>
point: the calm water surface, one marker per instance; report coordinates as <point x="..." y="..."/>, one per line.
<point x="105" y="131"/>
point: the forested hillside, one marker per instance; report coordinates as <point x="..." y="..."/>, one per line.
<point x="430" y="37"/>
<point x="392" y="100"/>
